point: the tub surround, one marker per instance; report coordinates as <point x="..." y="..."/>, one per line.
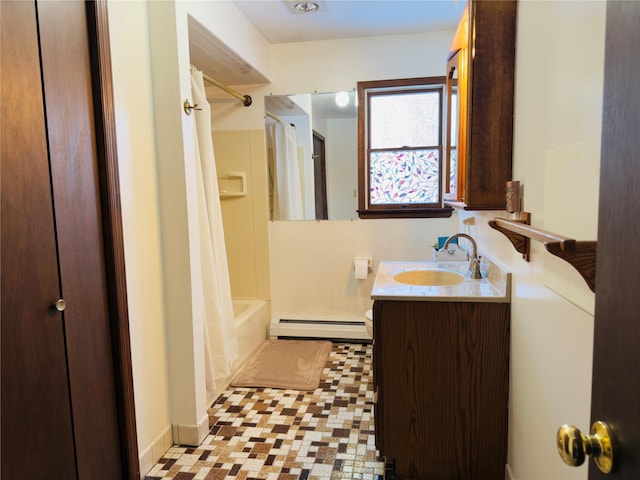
<point x="494" y="286"/>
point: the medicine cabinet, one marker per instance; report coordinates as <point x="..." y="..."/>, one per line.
<point x="480" y="88"/>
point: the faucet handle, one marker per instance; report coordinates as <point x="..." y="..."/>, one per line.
<point x="474" y="267"/>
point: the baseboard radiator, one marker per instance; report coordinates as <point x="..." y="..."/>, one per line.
<point x="314" y="328"/>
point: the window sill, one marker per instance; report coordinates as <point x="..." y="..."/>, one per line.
<point x="444" y="212"/>
<point x="463" y="206"/>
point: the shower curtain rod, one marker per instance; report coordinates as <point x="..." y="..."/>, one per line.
<point x="276" y="118"/>
<point x="271" y="115"/>
<point x="245" y="99"/>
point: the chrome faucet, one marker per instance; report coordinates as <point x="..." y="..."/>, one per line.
<point x="474" y="260"/>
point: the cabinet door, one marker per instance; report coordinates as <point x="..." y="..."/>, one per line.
<point x="443" y="380"/>
<point x="491" y="91"/>
<point x="378" y="392"/>
<point x="483" y="60"/>
<point x="457" y="125"/>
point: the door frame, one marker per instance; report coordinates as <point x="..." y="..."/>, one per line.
<point x="100" y="53"/>
<point x="320" y="176"/>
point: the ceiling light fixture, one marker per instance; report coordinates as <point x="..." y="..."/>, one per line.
<point x="306" y="7"/>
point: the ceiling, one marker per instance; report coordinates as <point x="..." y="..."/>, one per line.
<point x="279" y="22"/>
<point x="323" y="105"/>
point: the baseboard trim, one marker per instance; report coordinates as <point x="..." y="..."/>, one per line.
<point x="191" y="435"/>
<point x="507" y="473"/>
<point x="150" y="456"/>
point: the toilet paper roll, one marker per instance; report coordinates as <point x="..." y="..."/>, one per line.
<point x="361" y="269"/>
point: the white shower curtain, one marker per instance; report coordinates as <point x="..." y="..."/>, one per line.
<point x="287" y="191"/>
<point x="220" y="338"/>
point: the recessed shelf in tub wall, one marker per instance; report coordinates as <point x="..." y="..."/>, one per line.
<point x="581" y="255"/>
<point x="228" y="181"/>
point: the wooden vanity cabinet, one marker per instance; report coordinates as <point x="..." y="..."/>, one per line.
<point x="480" y="72"/>
<point x="441" y="378"/>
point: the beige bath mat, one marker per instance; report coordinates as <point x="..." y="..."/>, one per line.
<point x="288" y="364"/>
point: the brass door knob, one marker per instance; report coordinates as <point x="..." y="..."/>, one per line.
<point x="574" y="446"/>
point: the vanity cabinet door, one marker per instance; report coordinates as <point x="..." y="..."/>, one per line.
<point x="378" y="399"/>
<point x="481" y="78"/>
<point x="442" y="370"/>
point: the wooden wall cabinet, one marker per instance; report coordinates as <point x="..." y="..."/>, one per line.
<point x="480" y="73"/>
<point x="441" y="377"/>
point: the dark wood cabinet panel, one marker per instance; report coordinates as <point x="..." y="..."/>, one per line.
<point x="442" y="378"/>
<point x="483" y="64"/>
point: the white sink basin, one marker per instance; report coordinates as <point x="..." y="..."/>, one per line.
<point x="441" y="282"/>
<point x="429" y="277"/>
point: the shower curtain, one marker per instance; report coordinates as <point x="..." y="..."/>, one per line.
<point x="220" y="339"/>
<point x="287" y="191"/>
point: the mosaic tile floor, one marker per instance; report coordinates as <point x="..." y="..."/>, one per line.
<point x="269" y="434"/>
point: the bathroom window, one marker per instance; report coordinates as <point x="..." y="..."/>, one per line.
<point x="400" y="148"/>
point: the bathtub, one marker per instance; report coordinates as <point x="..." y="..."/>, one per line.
<point x="251" y="326"/>
<point x="251" y="320"/>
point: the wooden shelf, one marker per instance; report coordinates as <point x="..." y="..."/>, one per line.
<point x="580" y="254"/>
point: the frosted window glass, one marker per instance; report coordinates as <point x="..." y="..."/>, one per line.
<point x="405" y="120"/>
<point x="453" y="127"/>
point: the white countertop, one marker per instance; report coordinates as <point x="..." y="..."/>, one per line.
<point x="494" y="286"/>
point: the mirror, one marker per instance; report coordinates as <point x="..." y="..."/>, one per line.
<point x="326" y="147"/>
<point x="458" y="111"/>
<point x="453" y="114"/>
<point x="457" y="106"/>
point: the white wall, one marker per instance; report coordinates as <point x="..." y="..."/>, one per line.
<point x="179" y="220"/>
<point x="312" y="261"/>
<point x="141" y="224"/>
<point x="149" y="47"/>
<point x="295" y="66"/>
<point x="321" y="253"/>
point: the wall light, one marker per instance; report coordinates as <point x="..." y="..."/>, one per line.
<point x="342" y="99"/>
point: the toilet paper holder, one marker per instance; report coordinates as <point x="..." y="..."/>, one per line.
<point x="361" y="267"/>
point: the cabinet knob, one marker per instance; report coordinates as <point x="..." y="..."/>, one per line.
<point x="60" y="305"/>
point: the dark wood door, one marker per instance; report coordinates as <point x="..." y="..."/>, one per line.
<point x="320" y="176"/>
<point x="616" y="370"/>
<point x="36" y="409"/>
<point x="52" y="247"/>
